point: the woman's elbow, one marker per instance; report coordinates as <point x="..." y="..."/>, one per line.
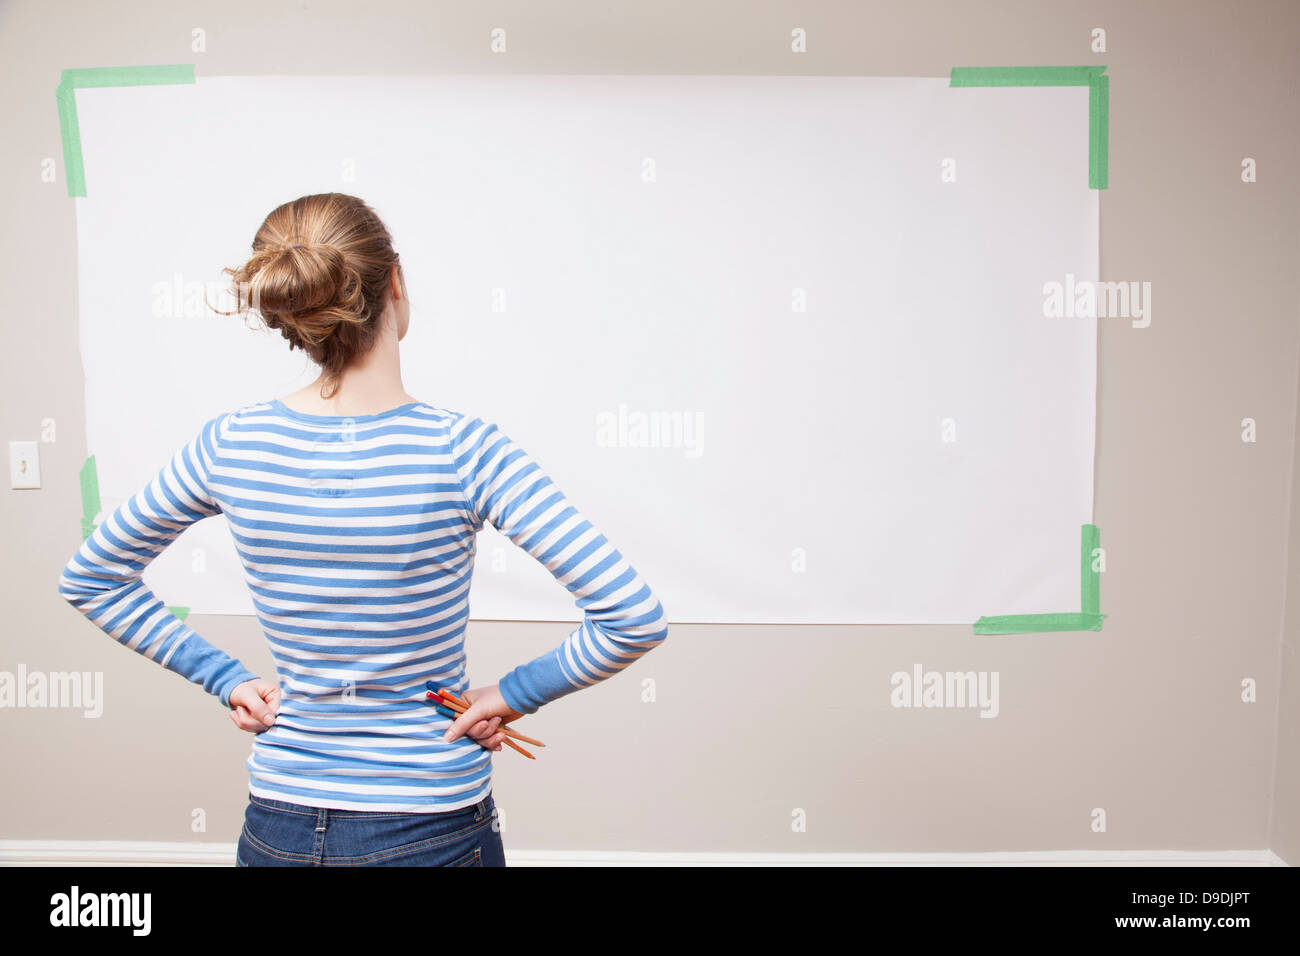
<point x="68" y="590"/>
<point x="73" y="588"/>
<point x="659" y="625"/>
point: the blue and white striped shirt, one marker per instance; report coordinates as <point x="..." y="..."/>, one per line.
<point x="357" y="537"/>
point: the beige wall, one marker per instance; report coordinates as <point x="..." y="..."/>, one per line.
<point x="1284" y="834"/>
<point x="1143" y="718"/>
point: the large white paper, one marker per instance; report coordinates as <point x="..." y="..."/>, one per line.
<point x="648" y="236"/>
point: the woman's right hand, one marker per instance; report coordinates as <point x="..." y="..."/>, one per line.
<point x="254" y="704"/>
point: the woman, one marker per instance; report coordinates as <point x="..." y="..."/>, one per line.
<point x="354" y="508"/>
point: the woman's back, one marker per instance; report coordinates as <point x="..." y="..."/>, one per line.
<point x="357" y="537"/>
<point x="358" y="552"/>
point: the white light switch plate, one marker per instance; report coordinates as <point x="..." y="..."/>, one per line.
<point x="24" y="465"/>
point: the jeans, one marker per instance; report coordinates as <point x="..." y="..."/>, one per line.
<point x="277" y="833"/>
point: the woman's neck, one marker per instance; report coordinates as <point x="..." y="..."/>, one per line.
<point x="371" y="384"/>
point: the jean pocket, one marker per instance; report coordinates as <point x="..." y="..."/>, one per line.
<point x="274" y="837"/>
<point x="459" y="847"/>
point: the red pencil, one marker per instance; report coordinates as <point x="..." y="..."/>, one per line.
<point x="460" y="706"/>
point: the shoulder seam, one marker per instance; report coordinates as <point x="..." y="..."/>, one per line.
<point x="223" y="425"/>
<point x="452" y="438"/>
<point x="220" y="424"/>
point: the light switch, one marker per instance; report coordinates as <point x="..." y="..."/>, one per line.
<point x="24" y="465"/>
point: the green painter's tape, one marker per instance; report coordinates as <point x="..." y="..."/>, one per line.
<point x="1038" y="623"/>
<point x="1023" y="75"/>
<point x="89" y="497"/>
<point x="66" y="98"/>
<point x="1087" y="619"/>
<point x="71" y="135"/>
<point x="1099" y="132"/>
<point x="1090" y="602"/>
<point x="129" y="75"/>
<point x="1098" y="101"/>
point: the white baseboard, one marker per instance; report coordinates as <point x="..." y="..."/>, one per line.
<point x="144" y="853"/>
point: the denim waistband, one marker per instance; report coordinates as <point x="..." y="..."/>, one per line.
<point x="476" y="810"/>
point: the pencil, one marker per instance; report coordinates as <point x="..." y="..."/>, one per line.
<point x="460" y="708"/>
<point x="455" y="706"/>
<point x="464" y="705"/>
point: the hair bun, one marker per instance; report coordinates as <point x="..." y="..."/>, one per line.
<point x="320" y="273"/>
<point x="308" y="289"/>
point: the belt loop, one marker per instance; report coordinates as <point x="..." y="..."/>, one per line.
<point x="318" y="843"/>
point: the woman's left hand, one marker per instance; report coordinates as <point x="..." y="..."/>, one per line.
<point x="254" y="704"/>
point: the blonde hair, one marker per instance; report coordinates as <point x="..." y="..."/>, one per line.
<point x="320" y="274"/>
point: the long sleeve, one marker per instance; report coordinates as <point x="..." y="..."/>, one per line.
<point x="103" y="580"/>
<point x="622" y="619"/>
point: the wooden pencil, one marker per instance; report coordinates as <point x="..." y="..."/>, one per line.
<point x="463" y="705"/>
<point x="460" y="706"/>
